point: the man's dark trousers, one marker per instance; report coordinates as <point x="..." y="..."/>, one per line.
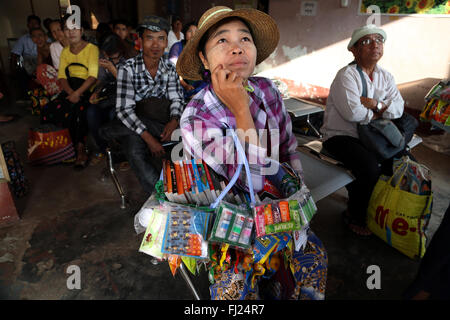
<point x="136" y="150"/>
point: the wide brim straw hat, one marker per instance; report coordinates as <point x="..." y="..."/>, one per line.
<point x="263" y="28"/>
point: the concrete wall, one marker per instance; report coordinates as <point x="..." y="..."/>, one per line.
<point x="313" y="48"/>
<point x="13" y="20"/>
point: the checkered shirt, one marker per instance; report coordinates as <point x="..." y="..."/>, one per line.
<point x="135" y="83"/>
<point x="204" y="136"/>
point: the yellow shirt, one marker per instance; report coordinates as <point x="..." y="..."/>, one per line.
<point x="87" y="57"/>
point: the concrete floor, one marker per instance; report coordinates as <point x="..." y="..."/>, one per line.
<point x="73" y="218"/>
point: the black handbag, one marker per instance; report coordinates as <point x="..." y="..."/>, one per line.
<point x="107" y="95"/>
<point x="383" y="136"/>
<point x="74" y="82"/>
<point x="157" y="109"/>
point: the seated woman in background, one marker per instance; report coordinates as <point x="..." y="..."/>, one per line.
<point x="40" y="38"/>
<point x="103" y="101"/>
<point x="175" y="34"/>
<point x="45" y="75"/>
<point x="56" y="28"/>
<point x="78" y="71"/>
<point x="190" y="87"/>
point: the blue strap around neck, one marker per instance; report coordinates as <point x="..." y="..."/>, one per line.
<point x="363" y="79"/>
<point x="243" y="158"/>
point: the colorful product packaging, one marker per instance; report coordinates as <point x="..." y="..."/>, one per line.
<point x="284" y="216"/>
<point x="185" y="233"/>
<point x="233" y="225"/>
<point x="154" y="234"/>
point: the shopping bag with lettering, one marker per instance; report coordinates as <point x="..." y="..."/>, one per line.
<point x="47" y="145"/>
<point x="400" y="208"/>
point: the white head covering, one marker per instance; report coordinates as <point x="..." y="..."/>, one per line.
<point x="364" y="31"/>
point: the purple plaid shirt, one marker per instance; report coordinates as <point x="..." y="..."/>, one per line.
<point x="205" y="135"/>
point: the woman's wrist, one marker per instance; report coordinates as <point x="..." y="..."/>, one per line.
<point x="242" y="111"/>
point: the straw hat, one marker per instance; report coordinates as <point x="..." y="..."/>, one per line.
<point x="263" y="28"/>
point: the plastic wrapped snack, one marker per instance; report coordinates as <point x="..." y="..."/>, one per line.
<point x="153" y="238"/>
<point x="185" y="233"/>
<point x="233" y="225"/>
<point x="281" y="216"/>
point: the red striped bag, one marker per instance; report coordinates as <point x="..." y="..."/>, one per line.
<point x="49" y="147"/>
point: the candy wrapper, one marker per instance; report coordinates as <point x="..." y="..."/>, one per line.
<point x="233" y="225"/>
<point x="263" y="247"/>
<point x="300" y="238"/>
<point x="153" y="238"/>
<point x="282" y="216"/>
<point x="174" y="263"/>
<point x="283" y="240"/>
<point x="185" y="232"/>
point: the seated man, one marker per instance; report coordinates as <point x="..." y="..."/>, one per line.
<point x="24" y="56"/>
<point x="149" y="102"/>
<point x="346" y="108"/>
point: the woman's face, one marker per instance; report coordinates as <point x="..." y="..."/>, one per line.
<point x="39" y="37"/>
<point x="122" y="31"/>
<point x="114" y="57"/>
<point x="231" y="45"/>
<point x="73" y="35"/>
<point x="177" y="26"/>
<point x="57" y="32"/>
<point x="190" y="32"/>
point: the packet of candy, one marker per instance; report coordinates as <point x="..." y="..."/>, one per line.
<point x="259" y="221"/>
<point x="174" y="263"/>
<point x="283" y="238"/>
<point x="276" y="214"/>
<point x="233" y="225"/>
<point x="263" y="247"/>
<point x="276" y="217"/>
<point x="294" y="210"/>
<point x="185" y="231"/>
<point x="154" y="234"/>
<point x="284" y="210"/>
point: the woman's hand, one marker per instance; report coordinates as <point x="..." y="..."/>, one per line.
<point x="106" y="64"/>
<point x="74" y="97"/>
<point x="93" y="98"/>
<point x="229" y="88"/>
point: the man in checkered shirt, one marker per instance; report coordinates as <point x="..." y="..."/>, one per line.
<point x="147" y="86"/>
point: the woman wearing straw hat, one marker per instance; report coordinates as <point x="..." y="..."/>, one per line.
<point x="224" y="52"/>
